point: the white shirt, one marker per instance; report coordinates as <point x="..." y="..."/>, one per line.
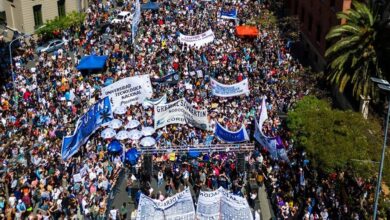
<point x="113" y="213"/>
<point x="92" y="175"/>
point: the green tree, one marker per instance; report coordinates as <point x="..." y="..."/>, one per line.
<point x="353" y="57"/>
<point x="336" y="139"/>
<point x="59" y="23"/>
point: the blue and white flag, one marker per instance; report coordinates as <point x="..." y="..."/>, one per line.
<point x="136" y="20"/>
<point x="236" y="89"/>
<point x="267" y="142"/>
<point x="97" y="115"/>
<point x="280" y="58"/>
<point x="170" y="78"/>
<point x="209" y="139"/>
<point x="232" y="14"/>
<point x="152" y="102"/>
<point x="230" y="137"/>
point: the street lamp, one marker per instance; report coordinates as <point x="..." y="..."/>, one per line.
<point x="385" y="86"/>
<point x="10" y="57"/>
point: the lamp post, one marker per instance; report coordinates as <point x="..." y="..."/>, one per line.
<point x="384" y="86"/>
<point x="10" y="58"/>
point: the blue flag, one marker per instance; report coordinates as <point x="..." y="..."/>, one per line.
<point x="232" y="14"/>
<point x="98" y="114"/>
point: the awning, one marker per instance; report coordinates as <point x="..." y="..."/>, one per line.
<point x="92" y="62"/>
<point x="247" y="31"/>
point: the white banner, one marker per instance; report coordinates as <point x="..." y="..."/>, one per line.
<point x="236" y="89"/>
<point x="221" y="204"/>
<point x="177" y="207"/>
<point x="197" y="40"/>
<point x="180" y="112"/>
<point x="129" y="91"/>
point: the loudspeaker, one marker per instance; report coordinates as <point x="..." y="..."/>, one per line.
<point x="240" y="162"/>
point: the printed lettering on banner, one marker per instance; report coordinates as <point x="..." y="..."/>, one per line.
<point x="129" y="91"/>
<point x="231" y="137"/>
<point x="180" y="112"/>
<point x="98" y="114"/>
<point x="180" y="207"/>
<point x="221" y="204"/>
<point x="197" y="40"/>
<point x="223" y="90"/>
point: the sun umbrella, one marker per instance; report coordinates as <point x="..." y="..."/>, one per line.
<point x="122" y="135"/>
<point x="132" y="124"/>
<point x="108" y="133"/>
<point x="148" y="142"/>
<point x="115" y="123"/>
<point x="120" y="110"/>
<point x="135" y="134"/>
<point x="132" y="156"/>
<point x="147" y="131"/>
<point x="114" y="147"/>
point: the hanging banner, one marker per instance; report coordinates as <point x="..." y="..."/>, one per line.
<point x="236" y="89"/>
<point x="221" y="204"/>
<point x="231" y="137"/>
<point x="179" y="206"/>
<point x="98" y="114"/>
<point x="129" y="91"/>
<point x="151" y="102"/>
<point x="180" y="112"/>
<point x="225" y="14"/>
<point x="197" y="40"/>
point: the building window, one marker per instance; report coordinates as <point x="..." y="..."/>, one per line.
<point x="319" y="33"/>
<point x="3" y="18"/>
<point x="61" y="8"/>
<point x="37" y="10"/>
<point x="310" y="23"/>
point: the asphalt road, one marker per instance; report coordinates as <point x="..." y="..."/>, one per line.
<point x="121" y="197"/>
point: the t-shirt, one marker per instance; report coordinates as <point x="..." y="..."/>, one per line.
<point x="113" y="214"/>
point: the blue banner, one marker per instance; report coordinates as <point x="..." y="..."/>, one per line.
<point x="232" y="14"/>
<point x="98" y="114"/>
<point x="267" y="142"/>
<point x="231" y="137"/>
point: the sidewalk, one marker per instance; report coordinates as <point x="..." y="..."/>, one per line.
<point x="265" y="206"/>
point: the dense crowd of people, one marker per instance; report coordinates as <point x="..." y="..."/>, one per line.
<point x="51" y="95"/>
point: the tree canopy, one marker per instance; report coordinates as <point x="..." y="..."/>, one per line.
<point x="353" y="56"/>
<point x="335" y="139"/>
<point x="61" y="23"/>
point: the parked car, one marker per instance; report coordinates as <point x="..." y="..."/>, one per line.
<point x="50" y="46"/>
<point x="123" y="16"/>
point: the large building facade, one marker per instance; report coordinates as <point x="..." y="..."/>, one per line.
<point x="27" y="15"/>
<point x="316" y="18"/>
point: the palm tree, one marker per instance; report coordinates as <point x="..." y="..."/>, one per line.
<point x="353" y="58"/>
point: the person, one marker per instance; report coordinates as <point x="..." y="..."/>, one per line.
<point x="123" y="211"/>
<point x="113" y="213"/>
<point x="160" y="178"/>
